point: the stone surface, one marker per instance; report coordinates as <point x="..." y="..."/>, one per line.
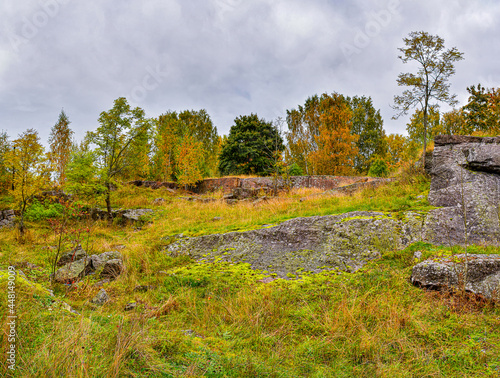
<point x="101" y="298"/>
<point x="159" y="201"/>
<point x="98" y="261"/>
<point x="112" y="269"/>
<point x="72" y="271"/>
<point x="478" y="274"/>
<point x="143" y="288"/>
<point x="136" y="214"/>
<point x="466" y="184"/>
<point x="227" y="184"/>
<point x="312" y="244"/>
<point x="74" y="255"/>
<point x="7" y="218"/>
<point x="132" y="215"/>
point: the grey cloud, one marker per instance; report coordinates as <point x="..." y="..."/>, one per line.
<point x="230" y="57"/>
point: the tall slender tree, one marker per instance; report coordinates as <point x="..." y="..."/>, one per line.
<point x="119" y="128"/>
<point x="415" y="127"/>
<point x="5" y="171"/>
<point x="60" y="141"/>
<point x="31" y="172"/>
<point x="430" y="83"/>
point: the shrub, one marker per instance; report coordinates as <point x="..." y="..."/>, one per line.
<point x="295" y="170"/>
<point x="43" y="210"/>
<point x="378" y="168"/>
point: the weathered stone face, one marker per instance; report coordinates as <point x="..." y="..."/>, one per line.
<point x="7" y="218"/>
<point x="98" y="261"/>
<point x="112" y="269"/>
<point x="72" y="271"/>
<point x="101" y="298"/>
<point x="311" y="244"/>
<point x="478" y="274"/>
<point x="466" y="184"/>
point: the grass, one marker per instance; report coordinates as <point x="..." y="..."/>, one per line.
<point x="219" y="320"/>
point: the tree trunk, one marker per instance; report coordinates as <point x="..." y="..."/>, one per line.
<point x="21" y="223"/>
<point x="108" y="203"/>
<point x="425" y="133"/>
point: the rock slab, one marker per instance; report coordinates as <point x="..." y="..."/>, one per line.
<point x="478" y="274"/>
<point x="346" y="242"/>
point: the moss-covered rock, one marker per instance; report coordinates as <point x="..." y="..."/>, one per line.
<point x="312" y="244"/>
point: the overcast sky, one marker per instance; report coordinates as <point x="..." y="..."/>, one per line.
<point x="230" y="57"/>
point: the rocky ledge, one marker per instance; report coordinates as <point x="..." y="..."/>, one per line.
<point x="312" y="244"/>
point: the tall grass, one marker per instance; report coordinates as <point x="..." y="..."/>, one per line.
<point x="219" y="320"/>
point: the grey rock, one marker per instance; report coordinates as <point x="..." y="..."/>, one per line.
<point x="478" y="274"/>
<point x="312" y="244"/>
<point x="98" y="261"/>
<point x="159" y="201"/>
<point x="72" y="271"/>
<point x="74" y="255"/>
<point x="417" y="255"/>
<point x="112" y="269"/>
<point x="241" y="193"/>
<point x="101" y="298"/>
<point x="7" y="218"/>
<point x="466" y="185"/>
<point x="136" y="214"/>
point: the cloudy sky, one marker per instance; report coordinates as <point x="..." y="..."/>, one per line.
<point x="230" y="57"/>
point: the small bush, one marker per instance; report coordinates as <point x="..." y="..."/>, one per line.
<point x="378" y="169"/>
<point x="295" y="170"/>
<point x="40" y="210"/>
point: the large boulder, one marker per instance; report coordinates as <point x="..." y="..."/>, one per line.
<point x="466" y="185"/>
<point x="98" y="261"/>
<point x="112" y="269"/>
<point x="313" y="244"/>
<point x="478" y="274"/>
<point x="135" y="215"/>
<point x="72" y="271"/>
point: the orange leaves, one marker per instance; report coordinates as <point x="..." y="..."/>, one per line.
<point x="190" y="154"/>
<point x="333" y="147"/>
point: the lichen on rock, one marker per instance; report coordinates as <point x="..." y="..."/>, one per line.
<point x="313" y="244"/>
